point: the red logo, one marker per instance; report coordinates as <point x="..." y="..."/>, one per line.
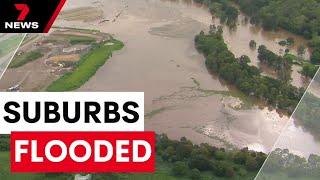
<point x="24" y="8"/>
<point x="94" y="152"/>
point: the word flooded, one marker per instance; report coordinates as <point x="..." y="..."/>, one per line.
<point x="57" y="151"/>
<point x="82" y="151"/>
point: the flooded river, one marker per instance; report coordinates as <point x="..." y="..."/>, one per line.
<point x="181" y="97"/>
<point x="238" y="42"/>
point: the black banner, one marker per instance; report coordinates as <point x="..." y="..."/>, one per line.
<point x="28" y="16"/>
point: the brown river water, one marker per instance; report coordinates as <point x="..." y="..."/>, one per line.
<point x="181" y="97"/>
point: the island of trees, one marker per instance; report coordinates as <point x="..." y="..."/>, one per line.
<point x="246" y="78"/>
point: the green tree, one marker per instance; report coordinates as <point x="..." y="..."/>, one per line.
<point x="252" y="164"/>
<point x="195" y="174"/>
<point x="253" y="44"/>
<point x="290" y="41"/>
<point x="315" y="57"/>
<point x="309" y="70"/>
<point x="180" y="169"/>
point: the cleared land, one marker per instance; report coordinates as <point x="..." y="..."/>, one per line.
<point x="64" y="58"/>
<point x="86" y="68"/>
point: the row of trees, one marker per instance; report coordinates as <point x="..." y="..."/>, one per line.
<point x="189" y="160"/>
<point x="185" y="160"/>
<point x="282" y="162"/>
<point x="282" y="65"/>
<point x="247" y="78"/>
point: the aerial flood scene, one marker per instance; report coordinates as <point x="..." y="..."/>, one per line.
<point x="158" y="48"/>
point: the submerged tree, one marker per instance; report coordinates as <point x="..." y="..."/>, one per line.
<point x="253" y="44"/>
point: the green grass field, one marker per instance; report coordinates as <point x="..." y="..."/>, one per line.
<point x="80" y="40"/>
<point x="25" y="58"/>
<point x="86" y="68"/>
<point x="5" y="170"/>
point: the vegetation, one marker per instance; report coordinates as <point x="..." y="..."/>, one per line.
<point x="5" y="143"/>
<point x="297" y="16"/>
<point x="25" y="58"/>
<point x="308" y="113"/>
<point x="245" y="77"/>
<point x="315" y="57"/>
<point x="176" y="160"/>
<point x="301" y="50"/>
<point x="309" y="70"/>
<point x="80" y="40"/>
<point x="280" y="64"/>
<point x="253" y="44"/>
<point x="283" y="43"/>
<point x="287" y="42"/>
<point x="223" y="9"/>
<point x="290" y="41"/>
<point x="301" y="17"/>
<point x="86" y="67"/>
<point x="282" y="164"/>
<point x="189" y="159"/>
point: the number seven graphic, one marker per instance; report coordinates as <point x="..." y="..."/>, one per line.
<point x="24" y="8"/>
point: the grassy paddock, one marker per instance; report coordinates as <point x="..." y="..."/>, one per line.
<point x="25" y="58"/>
<point x="86" y="68"/>
<point x="80" y="40"/>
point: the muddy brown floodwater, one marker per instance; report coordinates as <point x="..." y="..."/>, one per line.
<point x="182" y="99"/>
<point x="238" y="42"/>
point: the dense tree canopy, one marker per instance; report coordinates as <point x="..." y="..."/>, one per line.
<point x="298" y="16"/>
<point x="206" y="158"/>
<point x="301" y="17"/>
<point x="282" y="164"/>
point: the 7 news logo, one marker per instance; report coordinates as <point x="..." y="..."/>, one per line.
<point x="28" y="16"/>
<point x="21" y="23"/>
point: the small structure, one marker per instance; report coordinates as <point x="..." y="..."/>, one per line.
<point x="80" y="177"/>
